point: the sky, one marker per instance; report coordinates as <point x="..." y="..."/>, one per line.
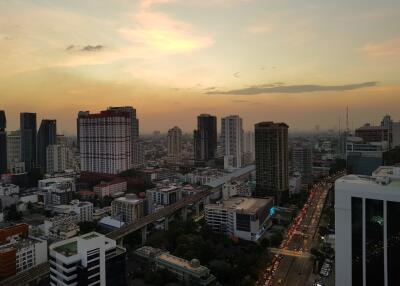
<point x="297" y="61"/>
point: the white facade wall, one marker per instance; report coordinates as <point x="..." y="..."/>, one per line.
<point x="105" y="143"/>
<point x="232" y="141"/>
<point x="59" y="158"/>
<point x="363" y="187"/>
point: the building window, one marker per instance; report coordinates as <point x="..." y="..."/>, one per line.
<point x="356" y="241"/>
<point x="374" y="242"/>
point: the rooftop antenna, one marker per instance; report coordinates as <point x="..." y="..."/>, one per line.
<point x="347" y="119"/>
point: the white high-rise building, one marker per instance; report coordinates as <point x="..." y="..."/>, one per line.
<point x="174" y="144"/>
<point x="90" y="259"/>
<point x="59" y="158"/>
<point x="367" y="230"/>
<point x="105" y="141"/>
<point x="137" y="148"/>
<point x="232" y="141"/>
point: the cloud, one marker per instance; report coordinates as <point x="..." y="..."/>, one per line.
<point x="236" y="74"/>
<point x="163" y="33"/>
<point x="279" y="88"/>
<point x="90" y="48"/>
<point x="388" y="48"/>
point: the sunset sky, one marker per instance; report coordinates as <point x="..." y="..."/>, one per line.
<point x="298" y="61"/>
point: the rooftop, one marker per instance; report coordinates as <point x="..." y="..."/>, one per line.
<point x="384" y="176"/>
<point x="244" y="204"/>
<point x="193" y="266"/>
<point x="237" y="173"/>
<point x="68" y="249"/>
<point x="133" y="199"/>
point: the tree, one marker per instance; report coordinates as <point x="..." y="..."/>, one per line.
<point x="13" y="214"/>
<point x="87" y="226"/>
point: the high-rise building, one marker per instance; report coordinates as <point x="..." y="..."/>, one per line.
<point x="232" y="141"/>
<point x="272" y="171"/>
<point x="59" y="158"/>
<point x="205" y="139"/>
<point x="174" y="144"/>
<point x="89" y="259"/>
<point x="3" y="142"/>
<point x="367" y="244"/>
<point x="28" y="139"/>
<point x="302" y="162"/>
<point x="371" y="133"/>
<point x="47" y="135"/>
<point x="396" y="134"/>
<point x="13" y="148"/>
<point x="249" y="146"/>
<point x="105" y="141"/>
<point x="136" y="149"/>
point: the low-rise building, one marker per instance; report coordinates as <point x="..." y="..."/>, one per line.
<point x="236" y="188"/>
<point x="245" y="218"/>
<point x="163" y="195"/>
<point x="8" y="189"/>
<point x="19" y="251"/>
<point x="129" y="208"/>
<point x="84" y="210"/>
<point x="61" y="226"/>
<point x="90" y="259"/>
<point x="157" y="174"/>
<point x="190" y="272"/>
<point x="99" y="213"/>
<point x="109" y="189"/>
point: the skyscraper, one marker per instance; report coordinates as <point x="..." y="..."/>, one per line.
<point x="174" y="144"/>
<point x="248" y="145"/>
<point x="302" y="161"/>
<point x="28" y="139"/>
<point x="136" y="148"/>
<point x="272" y="172"/>
<point x="205" y="139"/>
<point x="47" y="135"/>
<point x="105" y="141"/>
<point x="3" y="142"/>
<point x="232" y="141"/>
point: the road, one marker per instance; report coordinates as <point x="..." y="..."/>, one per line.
<point x="295" y="270"/>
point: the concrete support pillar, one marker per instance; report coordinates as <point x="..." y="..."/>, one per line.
<point x="166" y="223"/>
<point x="144" y="234"/>
<point x="184" y="214"/>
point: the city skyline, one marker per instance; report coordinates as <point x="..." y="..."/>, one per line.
<point x="172" y="60"/>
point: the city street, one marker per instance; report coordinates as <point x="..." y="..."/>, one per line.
<point x="295" y="269"/>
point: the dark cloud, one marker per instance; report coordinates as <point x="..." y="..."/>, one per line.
<point x="281" y="88"/>
<point x="90" y="48"/>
